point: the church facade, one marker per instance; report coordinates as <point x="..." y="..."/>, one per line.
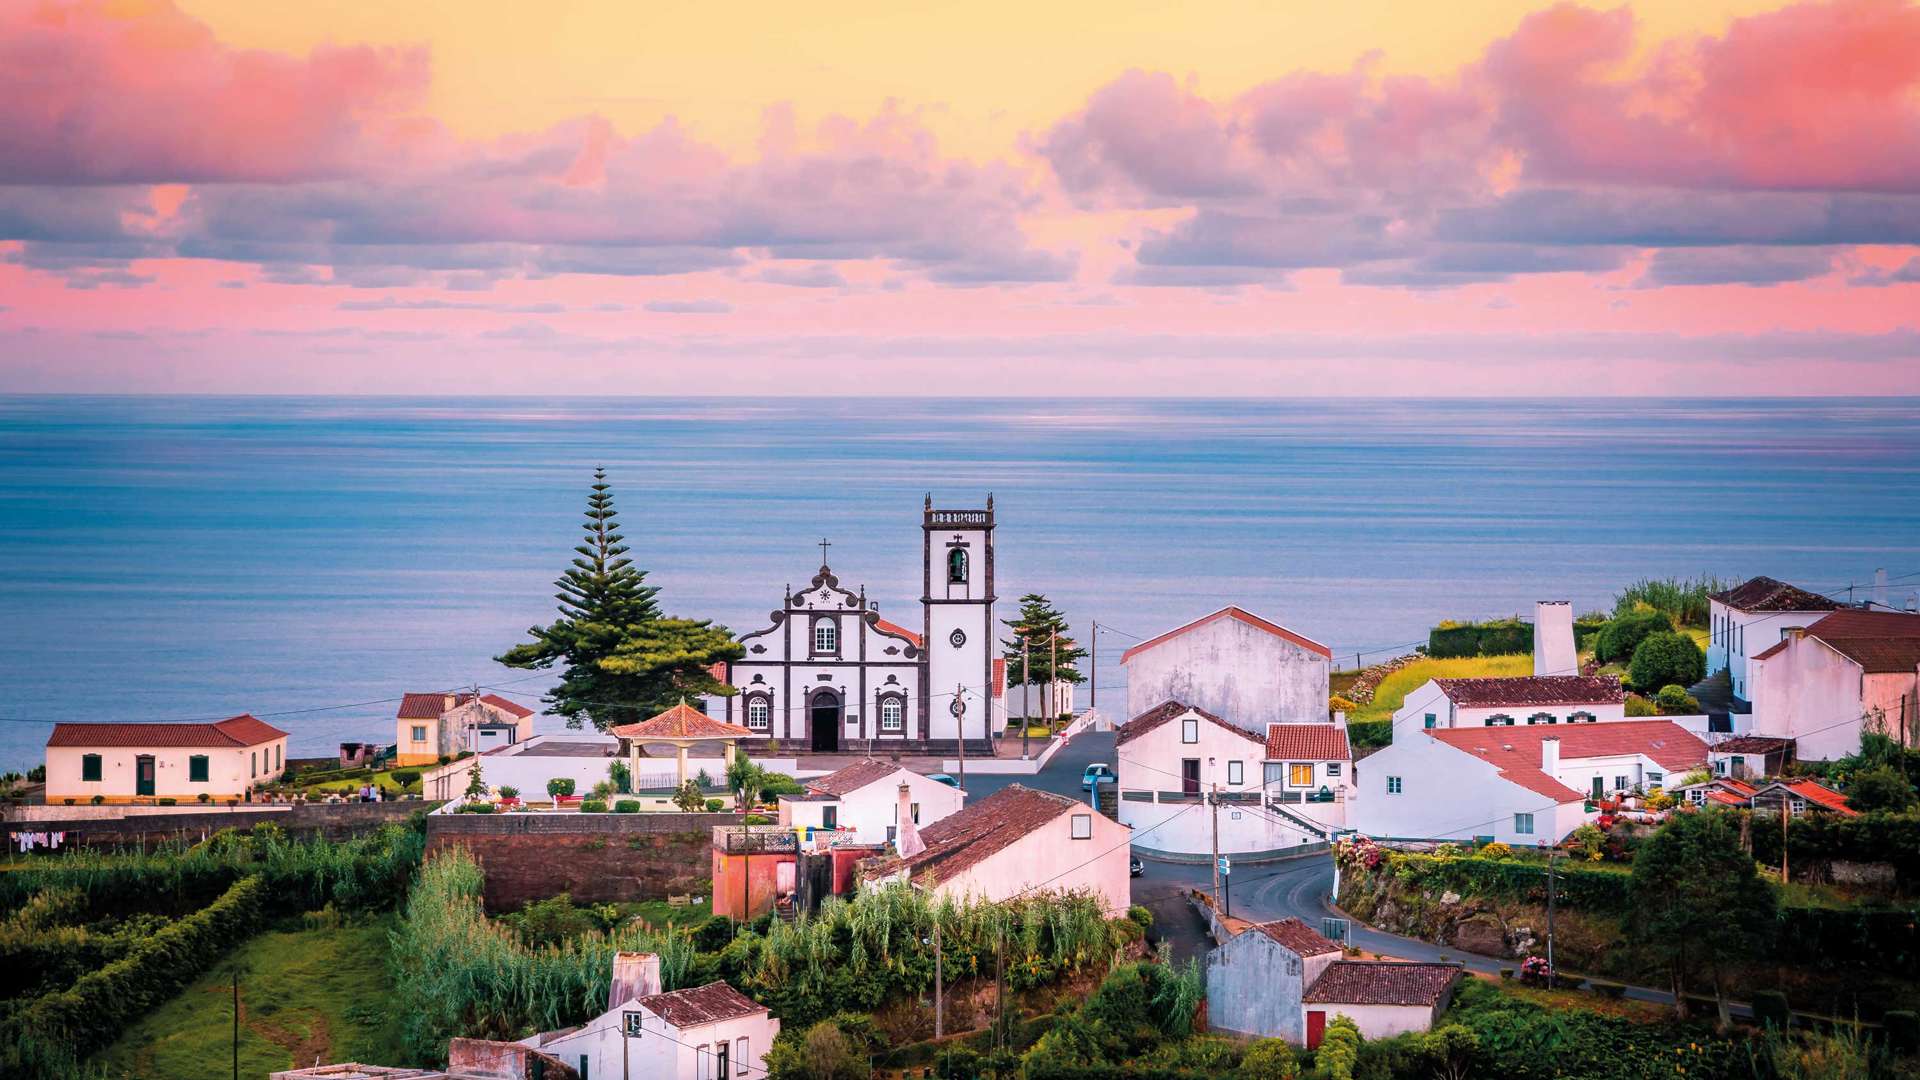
<point x="829" y="675"/>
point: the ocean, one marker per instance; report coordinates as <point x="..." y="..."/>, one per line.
<point x="310" y="559"/>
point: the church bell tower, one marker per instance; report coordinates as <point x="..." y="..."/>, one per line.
<point x="957" y="596"/>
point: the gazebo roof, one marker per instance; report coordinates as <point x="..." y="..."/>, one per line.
<point x="682" y="722"/>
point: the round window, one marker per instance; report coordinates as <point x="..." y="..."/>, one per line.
<point x="958" y="637"/>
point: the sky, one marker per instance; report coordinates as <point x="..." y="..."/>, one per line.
<point x="1067" y="199"/>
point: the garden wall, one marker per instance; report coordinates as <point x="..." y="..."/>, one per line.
<point x="335" y="821"/>
<point x="598" y="858"/>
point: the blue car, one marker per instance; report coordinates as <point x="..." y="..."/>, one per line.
<point x="1097" y="773"/>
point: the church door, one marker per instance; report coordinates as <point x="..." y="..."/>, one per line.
<point x="823" y="721"/>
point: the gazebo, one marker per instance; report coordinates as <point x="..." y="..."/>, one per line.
<point x="682" y="726"/>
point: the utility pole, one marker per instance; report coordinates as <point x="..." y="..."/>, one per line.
<point x="1783" y="838"/>
<point x="1214" y="799"/>
<point x="1093" y="681"/>
<point x="1551" y="852"/>
<point x="959" y="710"/>
<point x="236" y="1024"/>
<point x="1026" y="693"/>
<point x="1053" y="677"/>
<point x="939" y="1017"/>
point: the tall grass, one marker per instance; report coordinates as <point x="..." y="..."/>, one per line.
<point x="1393" y="690"/>
<point x="1684" y="600"/>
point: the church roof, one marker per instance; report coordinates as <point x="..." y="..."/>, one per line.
<point x="898" y="631"/>
<point x="683" y="721"/>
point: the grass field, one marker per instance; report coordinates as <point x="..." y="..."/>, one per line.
<point x="1393" y="690"/>
<point x="304" y="994"/>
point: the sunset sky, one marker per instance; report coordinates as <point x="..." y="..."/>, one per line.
<point x="1479" y="197"/>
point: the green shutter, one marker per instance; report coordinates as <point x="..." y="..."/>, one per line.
<point x="197" y="768"/>
<point x="90" y="767"/>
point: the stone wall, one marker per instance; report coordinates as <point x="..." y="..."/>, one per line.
<point x="335" y="821"/>
<point x="597" y="858"/>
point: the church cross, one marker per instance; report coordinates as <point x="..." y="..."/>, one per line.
<point x="824" y="545"/>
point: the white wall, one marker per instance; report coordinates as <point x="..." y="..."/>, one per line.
<point x="513" y="766"/>
<point x="871" y="810"/>
<point x="661" y="1051"/>
<point x="230" y="772"/>
<point x="1049" y="858"/>
<point x="1150" y="764"/>
<point x="1379" y="1021"/>
<point x="1236" y="671"/>
<point x="1736" y="636"/>
<point x="1448" y="794"/>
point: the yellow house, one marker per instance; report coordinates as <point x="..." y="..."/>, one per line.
<point x="124" y="763"/>
<point x="432" y="726"/>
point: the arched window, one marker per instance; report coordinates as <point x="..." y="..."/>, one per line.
<point x="893" y="713"/>
<point x="826" y="636"/>
<point x="957" y="566"/>
<point x="759" y="713"/>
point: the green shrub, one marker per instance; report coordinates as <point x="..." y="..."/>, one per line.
<point x="1770" y="1009"/>
<point x="1879" y="789"/>
<point x="475" y="808"/>
<point x="406" y="777"/>
<point x="593" y="806"/>
<point x="1639" y="706"/>
<point x="1142" y="915"/>
<point x="626" y="806"/>
<point x="621" y="776"/>
<point x="1624" y="633"/>
<point x="714" y="806"/>
<point x="1903" y="1031"/>
<point x="508" y="791"/>
<point x="1673" y="700"/>
<point x="1339" y="1049"/>
<point x="1365" y="733"/>
<point x="758" y="819"/>
<point x="560" y="785"/>
<point x="1269" y="1059"/>
<point x="1682" y="600"/>
<point x="1666" y="657"/>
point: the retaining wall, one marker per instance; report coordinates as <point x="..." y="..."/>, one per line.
<point x="335" y="821"/>
<point x="597" y="858"/>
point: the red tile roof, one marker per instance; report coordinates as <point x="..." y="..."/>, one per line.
<point x="1238" y="615"/>
<point x="1774" y="649"/>
<point x="1533" y="690"/>
<point x="853" y="777"/>
<point x="434" y="706"/>
<point x="1817" y="793"/>
<point x="1167" y="710"/>
<point x="701" y="1005"/>
<point x="1766" y="594"/>
<point x="1751" y="744"/>
<point x="897" y="630"/>
<point x="1295" y="935"/>
<point x="1881" y="642"/>
<point x="1381" y="982"/>
<point x="1515" y="751"/>
<point x="681" y="722"/>
<point x="974" y="834"/>
<point x="1320" y="742"/>
<point x="718" y="671"/>
<point x="1725" y="798"/>
<point x="238" y="731"/>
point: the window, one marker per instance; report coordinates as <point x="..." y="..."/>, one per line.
<point x="276" y="755"/>
<point x="1619" y="783"/>
<point x="913" y="810"/>
<point x="1236" y="773"/>
<point x="1499" y="720"/>
<point x="957" y="566"/>
<point x="759" y="714"/>
<point x="703" y="1062"/>
<point x="1523" y="824"/>
<point x="740" y="1055"/>
<point x="1393" y="785"/>
<point x="1275" y="772"/>
<point x="892" y="714"/>
<point x="1189" y="730"/>
<point x="255" y="757"/>
<point x="1300" y="774"/>
<point x="197" y="769"/>
<point x="1656" y="779"/>
<point x="583" y="1068"/>
<point x="1581" y="718"/>
<point x="720" y="1063"/>
<point x="1333" y="768"/>
<point x="419" y="733"/>
<point x="1083" y="826"/>
<point x="829" y="816"/>
<point x="1432" y="720"/>
<point x="90" y="767"/>
<point x="1542" y="718"/>
<point x="826" y="636"/>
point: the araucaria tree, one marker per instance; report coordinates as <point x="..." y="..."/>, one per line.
<point x="1698" y="900"/>
<point x="623" y="660"/>
<point x="1044" y="628"/>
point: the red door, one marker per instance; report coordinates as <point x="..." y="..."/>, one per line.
<point x="1316" y="1028"/>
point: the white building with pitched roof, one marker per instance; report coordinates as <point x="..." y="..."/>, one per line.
<point x="1234" y="664"/>
<point x="864" y="798"/>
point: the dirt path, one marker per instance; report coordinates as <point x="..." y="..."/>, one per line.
<point x="315" y="1047"/>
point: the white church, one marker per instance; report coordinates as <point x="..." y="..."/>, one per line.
<point x="831" y="676"/>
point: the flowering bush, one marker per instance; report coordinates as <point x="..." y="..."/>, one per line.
<point x="1535" y="971"/>
<point x="1496" y="850"/>
<point x="1447" y="851"/>
<point x="1360" y="851"/>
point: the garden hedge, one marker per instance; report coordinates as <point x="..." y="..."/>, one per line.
<point x="1873" y="837"/>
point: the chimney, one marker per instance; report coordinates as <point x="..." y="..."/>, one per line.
<point x="906" y="835"/>
<point x="1550" y="755"/>
<point x="1553" y="652"/>
<point x="635" y="975"/>
<point x="1880" y="589"/>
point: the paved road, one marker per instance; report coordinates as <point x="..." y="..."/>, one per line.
<point x="1062" y="774"/>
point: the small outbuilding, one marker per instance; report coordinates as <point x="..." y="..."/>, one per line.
<point x="1257" y="980"/>
<point x="1381" y="997"/>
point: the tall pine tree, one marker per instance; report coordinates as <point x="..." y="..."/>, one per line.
<point x="1038" y="621"/>
<point x="624" y="661"/>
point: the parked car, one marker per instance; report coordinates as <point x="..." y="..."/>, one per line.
<point x="1135" y="867"/>
<point x="1097" y="773"/>
<point x="944" y="778"/>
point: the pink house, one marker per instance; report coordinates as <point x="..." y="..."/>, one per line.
<point x="1017" y="841"/>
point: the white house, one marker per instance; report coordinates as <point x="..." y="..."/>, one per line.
<point x="1753" y="617"/>
<point x="1274" y="793"/>
<point x="1235" y="664"/>
<point x="188" y="763"/>
<point x="1257" y="980"/>
<point x="1519" y="785"/>
<point x="864" y="798"/>
<point x="710" y="1032"/>
<point x="1509" y="702"/>
<point x="1014" y="841"/>
<point x="428" y="727"/>
<point x="1382" y="997"/>
<point x="1823" y="684"/>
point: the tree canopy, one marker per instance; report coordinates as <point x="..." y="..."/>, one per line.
<point x="623" y="659"/>
<point x="1039" y="622"/>
<point x="1698" y="899"/>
